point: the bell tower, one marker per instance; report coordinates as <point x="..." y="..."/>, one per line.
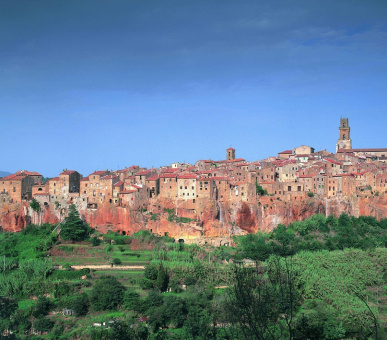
<point x="344" y="141"/>
<point x="230" y="154"/>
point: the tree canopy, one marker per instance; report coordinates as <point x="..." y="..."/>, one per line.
<point x="74" y="228"/>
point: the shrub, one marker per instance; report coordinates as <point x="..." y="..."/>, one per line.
<point x="43" y="324"/>
<point x="35" y="205"/>
<point x="131" y="299"/>
<point x="310" y="194"/>
<point x="107" y="293"/>
<point x="95" y="241"/>
<point x="42" y="307"/>
<point x="116" y="261"/>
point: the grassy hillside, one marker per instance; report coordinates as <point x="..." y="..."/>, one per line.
<point x="317" y="279"/>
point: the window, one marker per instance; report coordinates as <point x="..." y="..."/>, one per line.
<point x="185" y="187"/>
<point x="181" y="187"/>
<point x="193" y="188"/>
<point x="289" y="188"/>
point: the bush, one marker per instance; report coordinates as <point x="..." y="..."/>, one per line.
<point x="42" y="307"/>
<point x="131" y="299"/>
<point x="43" y="325"/>
<point x="95" y="241"/>
<point x="310" y="194"/>
<point x="150" y="272"/>
<point x="35" y="205"/>
<point x="80" y="304"/>
<point x="107" y="293"/>
<point x="116" y="261"/>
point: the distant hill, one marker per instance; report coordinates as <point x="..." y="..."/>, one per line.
<point x="4" y="173"/>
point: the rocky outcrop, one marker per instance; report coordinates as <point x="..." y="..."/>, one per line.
<point x="209" y="219"/>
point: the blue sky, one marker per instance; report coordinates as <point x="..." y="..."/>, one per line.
<point x="89" y="85"/>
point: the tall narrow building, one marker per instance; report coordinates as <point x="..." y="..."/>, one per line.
<point x="344" y="141"/>
<point x="230" y="154"/>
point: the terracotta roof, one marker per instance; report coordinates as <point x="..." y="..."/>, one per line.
<point x="85" y="179"/>
<point x="127" y="191"/>
<point x="54" y="179"/>
<point x="306" y="176"/>
<point x="41" y="194"/>
<point x="144" y="172"/>
<point x="333" y="161"/>
<point x="136" y="186"/>
<point x="170" y="170"/>
<point x="100" y="172"/>
<point x="361" y="150"/>
<point x="29" y="173"/>
<point x="206" y="179"/>
<point x="235" y="160"/>
<point x="13" y="176"/>
<point x="168" y="175"/>
<point x="67" y="172"/>
<point x="230" y="149"/>
<point x="118" y="184"/>
<point x="109" y="177"/>
<point x="20" y="175"/>
<point x="187" y="176"/>
<point x="286" y="152"/>
<point x="220" y="178"/>
<point x="153" y="178"/>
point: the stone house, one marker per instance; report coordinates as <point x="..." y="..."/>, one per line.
<point x="153" y="183"/>
<point x="186" y="186"/>
<point x="18" y="186"/>
<point x="205" y="188"/>
<point x="168" y="185"/>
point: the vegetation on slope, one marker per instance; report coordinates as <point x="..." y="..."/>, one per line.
<point x="323" y="278"/>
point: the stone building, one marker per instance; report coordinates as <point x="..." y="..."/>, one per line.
<point x="186" y="186"/>
<point x="206" y="188"/>
<point x="344" y="141"/>
<point x="303" y="150"/>
<point x="168" y="185"/>
<point x="153" y="183"/>
<point x="18" y="186"/>
<point x="230" y="154"/>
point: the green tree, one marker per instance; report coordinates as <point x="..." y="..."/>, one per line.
<point x="162" y="279"/>
<point x="107" y="293"/>
<point x="7" y="308"/>
<point x="43" y="324"/>
<point x="131" y="299"/>
<point x="80" y="304"/>
<point x="35" y="206"/>
<point x="74" y="228"/>
<point x="260" y="191"/>
<point x="42" y="307"/>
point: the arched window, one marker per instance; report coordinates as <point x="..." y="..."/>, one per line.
<point x="344" y="125"/>
<point x="343" y="137"/>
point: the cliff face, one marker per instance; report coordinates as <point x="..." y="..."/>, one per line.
<point x="210" y="219"/>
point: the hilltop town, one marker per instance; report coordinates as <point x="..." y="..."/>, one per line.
<point x="229" y="193"/>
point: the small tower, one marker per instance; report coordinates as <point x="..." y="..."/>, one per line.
<point x="230" y="154"/>
<point x="344" y="141"/>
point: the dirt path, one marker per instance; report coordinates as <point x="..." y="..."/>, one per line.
<point x="106" y="267"/>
